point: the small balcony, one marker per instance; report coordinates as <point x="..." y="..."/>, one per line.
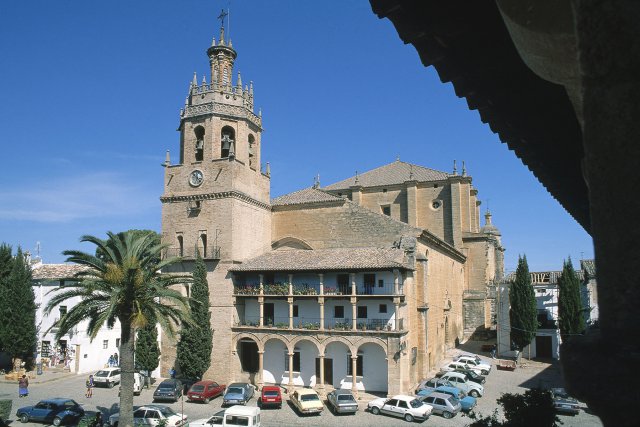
<point x="190" y="254"/>
<point x="306" y="289"/>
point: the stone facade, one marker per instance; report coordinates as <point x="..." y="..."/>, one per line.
<point x="374" y="277"/>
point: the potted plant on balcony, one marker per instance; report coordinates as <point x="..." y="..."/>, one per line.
<point x="328" y="290"/>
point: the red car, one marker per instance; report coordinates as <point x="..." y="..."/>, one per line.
<point x="204" y="391"/>
<point x="271" y="396"/>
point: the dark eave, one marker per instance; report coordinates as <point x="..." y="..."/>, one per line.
<point x="468" y="44"/>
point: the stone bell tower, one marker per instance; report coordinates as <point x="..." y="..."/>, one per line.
<point x="216" y="199"/>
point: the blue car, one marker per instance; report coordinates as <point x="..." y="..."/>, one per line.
<point x="467" y="402"/>
<point x="55" y="411"/>
<point x="238" y="393"/>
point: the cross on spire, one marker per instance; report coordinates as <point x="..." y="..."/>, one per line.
<point x="221" y="17"/>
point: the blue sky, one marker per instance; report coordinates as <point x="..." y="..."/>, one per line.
<point x="90" y="94"/>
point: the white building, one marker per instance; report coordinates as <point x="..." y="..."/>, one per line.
<point x="75" y="350"/>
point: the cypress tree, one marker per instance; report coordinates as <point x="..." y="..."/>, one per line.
<point x="194" y="347"/>
<point x="523" y="313"/>
<point x="19" y="308"/>
<point x="6" y="264"/>
<point x="147" y="350"/>
<point x="570" y="312"/>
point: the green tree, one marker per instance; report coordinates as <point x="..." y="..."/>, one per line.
<point x="123" y="282"/>
<point x="18" y="309"/>
<point x="196" y="341"/>
<point x="533" y="408"/>
<point x="570" y="311"/>
<point x="6" y="264"/>
<point x="523" y="313"/>
<point x="147" y="350"/>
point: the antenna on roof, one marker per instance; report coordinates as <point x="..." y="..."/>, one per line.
<point x="357" y="180"/>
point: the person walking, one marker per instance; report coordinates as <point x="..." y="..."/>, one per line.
<point x="493" y="351"/>
<point x="110" y="361"/>
<point x="90" y="385"/>
<point x="23" y="386"/>
<point x="115" y="360"/>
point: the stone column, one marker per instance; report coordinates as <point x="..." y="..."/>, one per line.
<point x="291" y="284"/>
<point x="290" y="301"/>
<point x="290" y="385"/>
<point x="260" y="369"/>
<point x="397" y="322"/>
<point x="354" y="314"/>
<point x="353" y="283"/>
<point x="321" y="379"/>
<point x="261" y="278"/>
<point x="321" y="303"/>
<point x="261" y="303"/>
<point x="321" y="276"/>
<point x="354" y="368"/>
<point x="396" y="282"/>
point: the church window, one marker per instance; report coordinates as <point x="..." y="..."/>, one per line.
<point x="199" y="131"/>
<point x="227" y="139"/>
<point x="386" y="210"/>
<point x="224" y="77"/>
<point x="252" y="142"/>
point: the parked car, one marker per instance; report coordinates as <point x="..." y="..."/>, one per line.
<point x="238" y="393"/>
<point x="467" y="402"/>
<point x="152" y="415"/>
<point x="443" y="404"/>
<point x="563" y="402"/>
<point x="306" y="401"/>
<point x="204" y="391"/>
<point x="170" y="389"/>
<point x="270" y="396"/>
<point x="474" y="360"/>
<point x="460" y="381"/>
<point x="56" y="411"/>
<point x="342" y="402"/>
<point x="473" y="376"/>
<point x="138" y="384"/>
<point x="427" y="386"/>
<point x="216" y="419"/>
<point x="402" y="406"/>
<point x="107" y="376"/>
<point x="186" y="384"/>
<point x="458" y="366"/>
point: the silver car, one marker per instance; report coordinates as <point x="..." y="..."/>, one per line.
<point x="443" y="404"/>
<point x="342" y="402"/>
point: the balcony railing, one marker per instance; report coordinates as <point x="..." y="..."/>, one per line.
<point x="301" y="289"/>
<point x="209" y="252"/>
<point x="330" y="324"/>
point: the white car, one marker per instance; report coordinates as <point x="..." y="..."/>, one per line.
<point x="407" y="407"/>
<point x="457" y="366"/>
<point x="152" y="415"/>
<point x="475" y="361"/>
<point x="460" y="381"/>
<point x="216" y="419"/>
<point x="107" y="376"/>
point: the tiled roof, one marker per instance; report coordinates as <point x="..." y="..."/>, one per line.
<point x="397" y="172"/>
<point x="307" y="195"/>
<point x="589" y="267"/>
<point x="56" y="271"/>
<point x="325" y="259"/>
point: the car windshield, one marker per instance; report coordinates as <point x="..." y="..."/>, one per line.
<point x="270" y="393"/>
<point x="472" y="374"/>
<point x="415" y="403"/>
<point x="309" y="397"/>
<point x="197" y="388"/>
<point x="166" y="411"/>
<point x="561" y="393"/>
<point x="234" y="390"/>
<point x="453" y="400"/>
<point x="166" y="385"/>
<point x="346" y="398"/>
<point x="102" y="374"/>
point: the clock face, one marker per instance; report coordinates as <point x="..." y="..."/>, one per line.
<point x="196" y="178"/>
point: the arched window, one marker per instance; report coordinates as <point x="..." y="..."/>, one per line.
<point x="199" y="131"/>
<point x="252" y="142"/>
<point x="227" y="139"/>
<point x="180" y="246"/>
<point x="203" y="245"/>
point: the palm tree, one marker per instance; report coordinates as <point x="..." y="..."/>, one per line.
<point x="123" y="282"/>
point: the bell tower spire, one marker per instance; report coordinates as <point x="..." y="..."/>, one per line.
<point x="221" y="57"/>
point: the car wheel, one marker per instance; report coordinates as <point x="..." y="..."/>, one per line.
<point x="115" y="424"/>
<point x="447" y="414"/>
<point x="485" y="372"/>
<point x="206" y="400"/>
<point x="473" y="393"/>
<point x="375" y="410"/>
<point x="110" y="385"/>
<point x="57" y="421"/>
<point x="24" y="418"/>
<point x="408" y="418"/>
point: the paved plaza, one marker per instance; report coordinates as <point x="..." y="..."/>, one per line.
<point x="530" y="374"/>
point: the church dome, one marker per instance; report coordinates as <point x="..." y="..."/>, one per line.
<point x="489" y="228"/>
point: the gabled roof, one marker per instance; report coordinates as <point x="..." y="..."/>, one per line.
<point x="56" y="271"/>
<point x="396" y="172"/>
<point x="307" y="195"/>
<point x="325" y="259"/>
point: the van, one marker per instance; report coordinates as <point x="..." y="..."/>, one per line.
<point x="138" y="383"/>
<point x="242" y="416"/>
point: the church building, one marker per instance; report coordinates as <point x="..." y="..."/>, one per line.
<point x="362" y="284"/>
